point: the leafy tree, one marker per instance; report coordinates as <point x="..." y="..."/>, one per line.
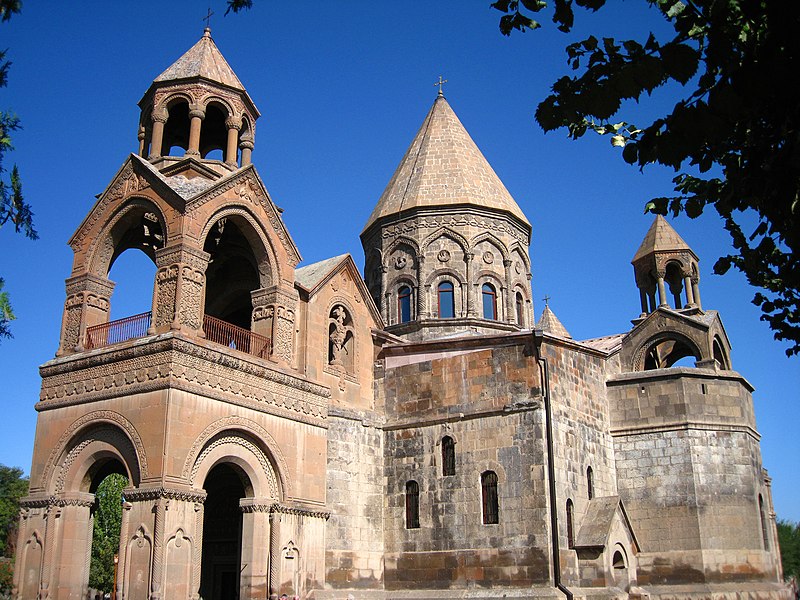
<point x="13" y="486"/>
<point x="789" y="540"/>
<point x="738" y="117"/>
<point x="107" y="525"/>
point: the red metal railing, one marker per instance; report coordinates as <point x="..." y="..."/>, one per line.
<point x="238" y="338"/>
<point x="117" y="331"/>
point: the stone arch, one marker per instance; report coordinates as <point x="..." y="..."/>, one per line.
<point x="517" y="249"/>
<point x="663" y="350"/>
<point x="231" y="426"/>
<point x="498" y="287"/>
<point x="80" y="430"/>
<point x="213" y="130"/>
<point x="493" y="240"/>
<point x="172" y="99"/>
<point x="459" y="289"/>
<point x="217" y="99"/>
<point x="399" y="241"/>
<point x="137" y="222"/>
<point x="176" y="128"/>
<point x="720" y="355"/>
<point x="237" y="448"/>
<point x="459" y="239"/>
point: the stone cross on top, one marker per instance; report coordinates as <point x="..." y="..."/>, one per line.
<point x="440" y="83"/>
<point x="546" y="300"/>
<point x="207" y="19"/>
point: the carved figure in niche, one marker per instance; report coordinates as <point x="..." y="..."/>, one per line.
<point x="340" y="346"/>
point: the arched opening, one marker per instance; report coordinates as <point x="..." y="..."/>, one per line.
<point x="719" y="355"/>
<point x="490" y="501"/>
<point x="667" y="352"/>
<point x="404" y="304"/>
<point x="221" y="559"/>
<point x="674" y="279"/>
<point x="446" y="300"/>
<point x="489" y="301"/>
<point x="214" y="133"/>
<point x="133" y="273"/>
<point x="341" y="339"/>
<point x="570" y="525"/>
<point x="231" y="275"/>
<point x="448" y="456"/>
<point x="106" y="516"/>
<point x="590" y="482"/>
<point x="176" y="129"/>
<point x="519" y="305"/>
<point x="412" y="505"/>
<point x="619" y="568"/>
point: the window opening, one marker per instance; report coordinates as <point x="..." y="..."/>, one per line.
<point x="570" y="526"/>
<point x="448" y="456"/>
<point x="412" y="505"/>
<point x="489" y="302"/>
<point x="520" y="304"/>
<point x="447" y="308"/>
<point x="590" y="482"/>
<point x="491" y="508"/>
<point x="404" y="304"/>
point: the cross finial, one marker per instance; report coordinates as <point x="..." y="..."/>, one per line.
<point x="440" y="83"/>
<point x="546" y="300"/>
<point x="207" y="19"/>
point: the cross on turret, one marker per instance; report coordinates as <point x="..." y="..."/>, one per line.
<point x="440" y="83"/>
<point x="207" y="18"/>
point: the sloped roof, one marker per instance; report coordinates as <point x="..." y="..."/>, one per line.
<point x="661" y="237"/>
<point x="443" y="167"/>
<point x="202" y="60"/>
<point x="549" y="323"/>
<point x="309" y="276"/>
<point x="596" y="524"/>
<point x="608" y="343"/>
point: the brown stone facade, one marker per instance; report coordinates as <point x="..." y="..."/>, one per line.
<point x="302" y="430"/>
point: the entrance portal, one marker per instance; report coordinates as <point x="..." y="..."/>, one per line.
<point x="222" y="533"/>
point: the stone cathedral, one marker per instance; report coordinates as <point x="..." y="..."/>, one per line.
<point x="410" y="433"/>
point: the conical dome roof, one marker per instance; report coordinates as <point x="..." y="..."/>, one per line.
<point x="443" y="167"/>
<point x="202" y="60"/>
<point x="550" y="323"/>
<point x="661" y="237"/>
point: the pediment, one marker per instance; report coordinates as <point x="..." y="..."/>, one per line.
<point x="604" y="521"/>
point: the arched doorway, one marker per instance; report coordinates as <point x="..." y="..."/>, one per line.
<point x="225" y="485"/>
<point x="106" y="517"/>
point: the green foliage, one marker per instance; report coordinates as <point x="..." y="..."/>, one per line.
<point x="107" y="524"/>
<point x="738" y="114"/>
<point x="789" y="540"/>
<point x="6" y="578"/>
<point x="13" y="207"/>
<point x="13" y="486"/>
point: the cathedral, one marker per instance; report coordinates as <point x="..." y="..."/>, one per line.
<point x="410" y="432"/>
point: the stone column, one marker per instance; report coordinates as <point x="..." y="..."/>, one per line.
<point x="687" y="285"/>
<point x="662" y="291"/>
<point x="124" y="533"/>
<point x="196" y="114"/>
<point x="72" y="564"/>
<point x="471" y="312"/>
<point x="696" y="292"/>
<point x="22" y="535"/>
<point x="88" y="303"/>
<point x="643" y="301"/>
<point x="197" y="552"/>
<point x="157" y="138"/>
<point x="178" y="298"/>
<point x="385" y="294"/>
<point x="262" y="322"/>
<point x="158" y="548"/>
<point x="274" y="555"/>
<point x="280" y="302"/>
<point x="52" y="520"/>
<point x="423" y="311"/>
<point x="234" y="125"/>
<point x="508" y="297"/>
<point x="254" y="577"/>
<point x="142" y="136"/>
<point x="246" y="146"/>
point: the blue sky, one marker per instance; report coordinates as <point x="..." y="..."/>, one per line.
<point x="342" y="88"/>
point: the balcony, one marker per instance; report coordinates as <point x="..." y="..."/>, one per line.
<point x="215" y="330"/>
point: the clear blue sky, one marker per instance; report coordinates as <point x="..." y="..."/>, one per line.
<point x="343" y="87"/>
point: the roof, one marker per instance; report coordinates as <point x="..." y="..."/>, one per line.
<point x="202" y="60"/>
<point x="661" y="237"/>
<point x="607" y="343"/>
<point x="310" y="275"/>
<point x="443" y="167"/>
<point x="549" y="323"/>
<point x="597" y="521"/>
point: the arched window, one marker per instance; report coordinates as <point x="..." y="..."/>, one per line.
<point x="519" y="302"/>
<point x="489" y="302"/>
<point x="404" y="304"/>
<point x="570" y="525"/>
<point x="412" y="505"/>
<point x="491" y="507"/>
<point x="590" y="482"/>
<point x="763" y="515"/>
<point x="448" y="456"/>
<point x="447" y="307"/>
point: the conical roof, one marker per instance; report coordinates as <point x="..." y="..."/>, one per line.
<point x="661" y="237"/>
<point x="443" y="167"/>
<point x="202" y="60"/>
<point x="549" y="323"/>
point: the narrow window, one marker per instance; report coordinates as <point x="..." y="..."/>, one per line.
<point x="763" y="522"/>
<point x="447" y="308"/>
<point x="412" y="505"/>
<point x="404" y="304"/>
<point x="590" y="482"/>
<point x="491" y="508"/>
<point x="570" y="529"/>
<point x="489" y="302"/>
<point x="448" y="456"/>
<point x="520" y="304"/>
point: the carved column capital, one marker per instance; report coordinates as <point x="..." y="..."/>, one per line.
<point x="233" y="123"/>
<point x="159" y="116"/>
